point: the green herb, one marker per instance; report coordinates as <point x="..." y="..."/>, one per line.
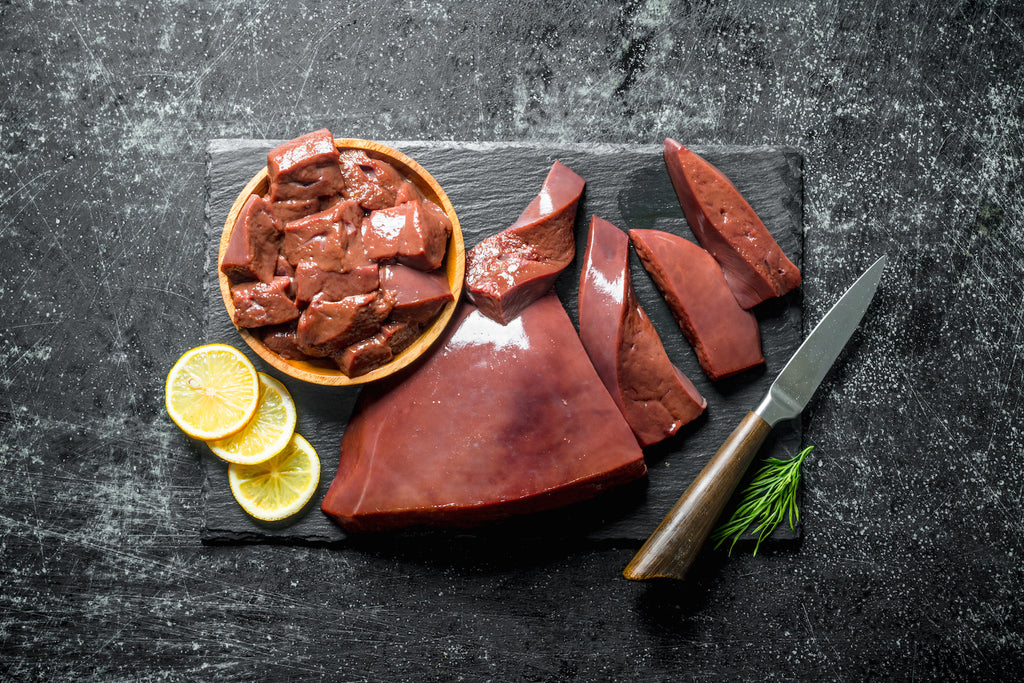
<point x="770" y="498"/>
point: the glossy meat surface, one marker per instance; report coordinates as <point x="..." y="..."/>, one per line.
<point x="255" y="241"/>
<point x="495" y="421"/>
<point x="414" y="233"/>
<point x="725" y="337"/>
<point x="654" y="396"/>
<point x="508" y="271"/>
<point x="727" y="227"/>
<point x="418" y="295"/>
<point x="305" y="168"/>
<point x="263" y="303"/>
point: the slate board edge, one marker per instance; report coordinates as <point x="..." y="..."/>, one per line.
<point x="211" y="534"/>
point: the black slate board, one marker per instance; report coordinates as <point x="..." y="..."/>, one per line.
<point x="489" y="184"/>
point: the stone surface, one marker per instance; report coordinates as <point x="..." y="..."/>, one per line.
<point x="908" y="118"/>
<point x="489" y="185"/>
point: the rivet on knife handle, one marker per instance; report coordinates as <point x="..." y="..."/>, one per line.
<point x="673" y="546"/>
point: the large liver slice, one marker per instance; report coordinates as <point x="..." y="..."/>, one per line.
<point x="726" y="226"/>
<point x="725" y="337"/>
<point x="508" y="271"/>
<point x="495" y="421"/>
<point x="654" y="396"/>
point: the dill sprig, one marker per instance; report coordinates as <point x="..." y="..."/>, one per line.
<point x="770" y="498"/>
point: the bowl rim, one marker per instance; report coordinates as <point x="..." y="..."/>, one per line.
<point x="454" y="265"/>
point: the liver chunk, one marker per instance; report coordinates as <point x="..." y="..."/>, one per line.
<point x="281" y="340"/>
<point x="418" y="295"/>
<point x="305" y="168"/>
<point x="311" y="279"/>
<point x="725" y="337"/>
<point x="495" y="421"/>
<point x="327" y="327"/>
<point x="372" y="183"/>
<point x="261" y="303"/>
<point x="654" y="396"/>
<point x="508" y="271"/>
<point x="288" y="210"/>
<point x="254" y="245"/>
<point x="755" y="267"/>
<point x="363" y="356"/>
<point x="329" y="238"/>
<point x="414" y="233"/>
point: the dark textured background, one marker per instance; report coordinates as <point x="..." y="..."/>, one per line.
<point x="910" y="119"/>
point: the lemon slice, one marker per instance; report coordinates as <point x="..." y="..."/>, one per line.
<point x="267" y="433"/>
<point x="212" y="391"/>
<point x="279" y="487"/>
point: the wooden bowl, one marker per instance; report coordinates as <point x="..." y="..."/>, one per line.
<point x="324" y="372"/>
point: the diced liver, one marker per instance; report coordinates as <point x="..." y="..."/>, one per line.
<point x="373" y="183"/>
<point x="281" y="340"/>
<point x="363" y="356"/>
<point x="399" y="335"/>
<point x="725" y="337"/>
<point x="311" y="279"/>
<point x="330" y="238"/>
<point x="254" y="245"/>
<point x="495" y="421"/>
<point x="285" y="269"/>
<point x="726" y="226"/>
<point x="261" y="303"/>
<point x="305" y="168"/>
<point x="288" y="210"/>
<point x="654" y="396"/>
<point x="414" y="233"/>
<point x="327" y="327"/>
<point x="508" y="271"/>
<point x="418" y="295"/>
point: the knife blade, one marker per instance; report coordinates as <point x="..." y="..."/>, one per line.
<point x="674" y="545"/>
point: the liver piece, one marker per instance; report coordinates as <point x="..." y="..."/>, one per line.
<point x="508" y="271"/>
<point x="414" y="233"/>
<point x="305" y="168"/>
<point x="328" y="238"/>
<point x="311" y="279"/>
<point x="654" y="396"/>
<point x="288" y="210"/>
<point x="494" y="421"/>
<point x="327" y="327"/>
<point x="755" y="267"/>
<point x="725" y="337"/>
<point x="418" y="295"/>
<point x="372" y="183"/>
<point x="263" y="303"/>
<point x="281" y="340"/>
<point x="254" y="245"/>
<point x="364" y="355"/>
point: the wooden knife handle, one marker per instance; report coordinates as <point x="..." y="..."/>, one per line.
<point x="673" y="546"/>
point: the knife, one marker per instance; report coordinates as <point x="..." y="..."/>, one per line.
<point x="674" y="545"/>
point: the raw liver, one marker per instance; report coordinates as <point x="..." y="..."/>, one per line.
<point x="727" y="227"/>
<point x="263" y="303"/>
<point x="725" y="337"/>
<point x="418" y="295"/>
<point x="496" y="420"/>
<point x="329" y="238"/>
<point x="327" y="327"/>
<point x="254" y="245"/>
<point x="654" y="396"/>
<point x="508" y="271"/>
<point x="305" y="168"/>
<point x="414" y="233"/>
